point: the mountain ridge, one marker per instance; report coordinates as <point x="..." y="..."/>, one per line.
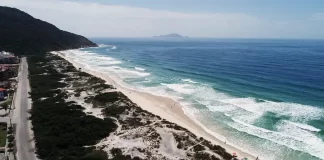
<point x="21" y="33"/>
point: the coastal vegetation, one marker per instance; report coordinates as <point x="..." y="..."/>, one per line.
<point x="77" y="116"/>
<point x="62" y="130"/>
<point x="3" y="134"/>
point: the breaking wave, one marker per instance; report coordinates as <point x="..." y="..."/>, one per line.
<point x="289" y="121"/>
<point x="140" y="69"/>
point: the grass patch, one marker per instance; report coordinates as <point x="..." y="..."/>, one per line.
<point x="3" y="134"/>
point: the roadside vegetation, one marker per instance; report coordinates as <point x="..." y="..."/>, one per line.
<point x="62" y="130"/>
<point x="3" y="134"/>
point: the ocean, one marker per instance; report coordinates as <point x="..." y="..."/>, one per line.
<point x="265" y="97"/>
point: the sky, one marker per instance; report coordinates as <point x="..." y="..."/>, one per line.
<point x="194" y="18"/>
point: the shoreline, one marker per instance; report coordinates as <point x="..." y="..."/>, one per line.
<point x="164" y="107"/>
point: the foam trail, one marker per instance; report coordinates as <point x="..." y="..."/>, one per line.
<point x="182" y="88"/>
<point x="246" y="111"/>
<point x="304" y="126"/>
<point x="188" y="80"/>
<point x="287" y="135"/>
<point x="104" y="63"/>
<point x="297" y="112"/>
<point x="139" y="68"/>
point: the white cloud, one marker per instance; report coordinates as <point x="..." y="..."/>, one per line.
<point x="94" y="19"/>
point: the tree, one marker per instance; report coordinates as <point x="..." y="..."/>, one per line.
<point x="10" y="138"/>
<point x="5" y="106"/>
<point x="10" y="145"/>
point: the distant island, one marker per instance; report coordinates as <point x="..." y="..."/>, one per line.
<point x="172" y="35"/>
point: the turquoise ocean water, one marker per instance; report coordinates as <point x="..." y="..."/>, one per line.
<point x="263" y="96"/>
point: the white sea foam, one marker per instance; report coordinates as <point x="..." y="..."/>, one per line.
<point x="101" y="62"/>
<point x="108" y="47"/>
<point x="297" y="112"/>
<point x="288" y="135"/>
<point x="104" y="63"/>
<point x="191" y="114"/>
<point x="181" y="88"/>
<point x="139" y="68"/>
<point x="92" y="59"/>
<point x="228" y="115"/>
<point x="114" y="47"/>
<point x="188" y="80"/>
<point x="112" y="62"/>
<point x="310" y="142"/>
<point x="158" y="90"/>
<point x="243" y="111"/>
<point x="126" y="73"/>
<point x="304" y="126"/>
<point x="103" y="45"/>
<point x="104" y="58"/>
<point x="246" y="111"/>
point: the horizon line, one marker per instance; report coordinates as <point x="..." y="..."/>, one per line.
<point x="188" y="37"/>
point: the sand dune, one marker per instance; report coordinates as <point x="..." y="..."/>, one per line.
<point x="164" y="107"/>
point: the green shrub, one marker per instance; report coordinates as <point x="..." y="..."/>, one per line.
<point x="10" y="138"/>
<point x="10" y="145"/>
<point x="61" y="128"/>
<point x="10" y="132"/>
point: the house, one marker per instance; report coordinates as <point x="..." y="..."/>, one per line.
<point x="3" y="94"/>
<point x="8" y="58"/>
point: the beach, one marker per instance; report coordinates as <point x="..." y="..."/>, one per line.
<point x="164" y="107"/>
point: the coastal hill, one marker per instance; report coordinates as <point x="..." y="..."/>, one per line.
<point x="23" y="34"/>
<point x="172" y="35"/>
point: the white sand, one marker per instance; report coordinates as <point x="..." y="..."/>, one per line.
<point x="160" y="106"/>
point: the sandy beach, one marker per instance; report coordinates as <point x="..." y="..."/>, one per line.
<point x="164" y="107"/>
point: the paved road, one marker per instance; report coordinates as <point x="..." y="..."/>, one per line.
<point x="25" y="150"/>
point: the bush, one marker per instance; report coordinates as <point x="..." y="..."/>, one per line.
<point x="96" y="155"/>
<point x="77" y="95"/>
<point x="10" y="132"/>
<point x="109" y="97"/>
<point x="198" y="148"/>
<point x="10" y="138"/>
<point x="10" y="145"/>
<point x="10" y="128"/>
<point x="61" y="128"/>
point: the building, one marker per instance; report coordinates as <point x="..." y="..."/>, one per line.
<point x="3" y="94"/>
<point x="8" y="58"/>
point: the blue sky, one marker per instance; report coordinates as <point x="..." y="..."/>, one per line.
<point x="268" y="8"/>
<point x="290" y="6"/>
<point x="203" y="18"/>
